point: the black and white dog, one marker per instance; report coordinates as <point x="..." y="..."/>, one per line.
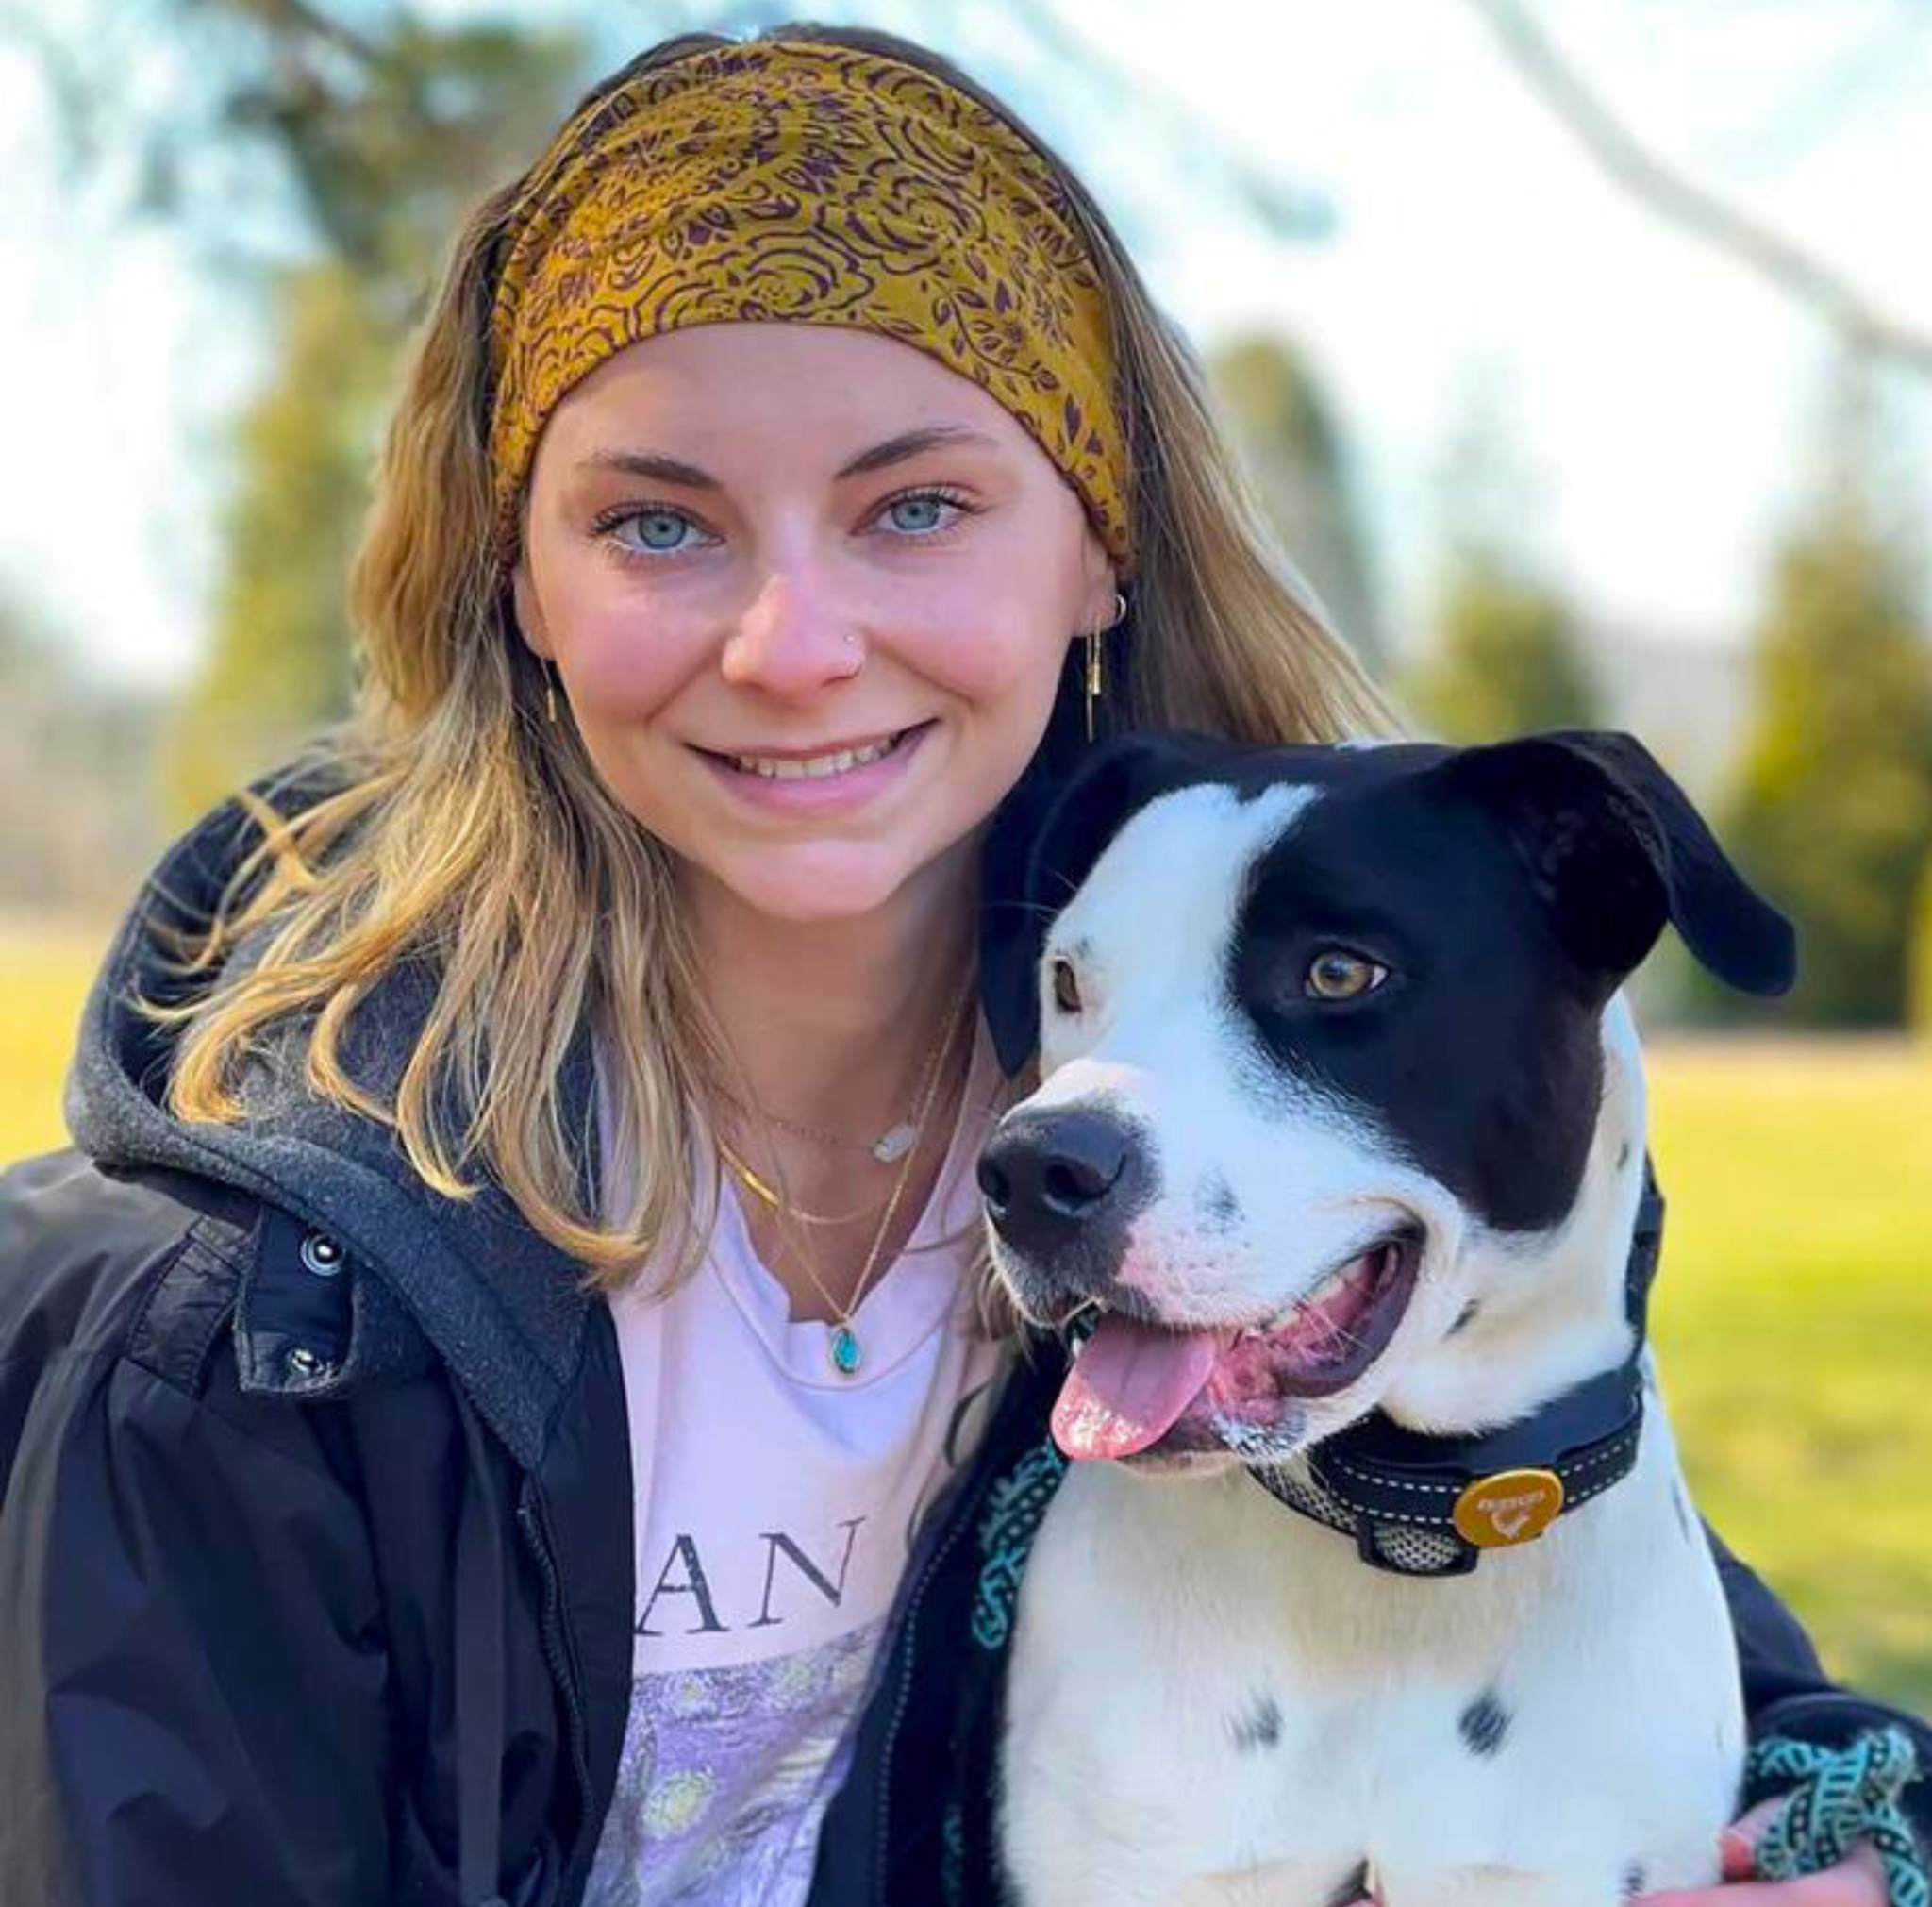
<point x="1340" y="1140"/>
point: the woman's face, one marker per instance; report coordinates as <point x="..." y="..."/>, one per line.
<point x="759" y="554"/>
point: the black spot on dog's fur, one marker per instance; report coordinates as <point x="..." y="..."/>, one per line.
<point x="1468" y="1317"/>
<point x="1484" y="1724"/>
<point x="1352" y="1886"/>
<point x="1220" y="1208"/>
<point x="1508" y="1142"/>
<point x="1259" y="1727"/>
<point x="1632" y="1883"/>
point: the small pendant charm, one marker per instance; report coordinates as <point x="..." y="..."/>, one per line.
<point x="888" y="1147"/>
<point x="844" y="1349"/>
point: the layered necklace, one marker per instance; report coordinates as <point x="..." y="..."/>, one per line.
<point x="899" y="1145"/>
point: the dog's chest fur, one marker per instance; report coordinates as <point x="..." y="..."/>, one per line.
<point x="1204" y="1685"/>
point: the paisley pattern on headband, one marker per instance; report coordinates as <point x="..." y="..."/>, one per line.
<point x="820" y="185"/>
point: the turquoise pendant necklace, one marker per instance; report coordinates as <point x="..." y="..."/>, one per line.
<point x="843" y="1344"/>
<point x="902" y="1145"/>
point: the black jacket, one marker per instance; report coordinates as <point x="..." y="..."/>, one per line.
<point x="315" y="1501"/>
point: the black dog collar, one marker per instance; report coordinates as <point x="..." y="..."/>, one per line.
<point x="1420" y="1505"/>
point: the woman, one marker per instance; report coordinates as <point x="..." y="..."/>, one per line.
<point x="767" y="449"/>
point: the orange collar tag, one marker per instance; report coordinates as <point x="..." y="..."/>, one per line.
<point x="1513" y="1506"/>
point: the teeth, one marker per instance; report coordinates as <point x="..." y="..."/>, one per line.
<point x="814" y="767"/>
<point x="1331" y="1286"/>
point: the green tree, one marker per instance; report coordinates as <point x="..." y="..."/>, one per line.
<point x="1508" y="661"/>
<point x="1922" y="956"/>
<point x="1297" y="460"/>
<point x="386" y="133"/>
<point x="1505" y="658"/>
<point x="317" y="156"/>
<point x="278" y="656"/>
<point x="1832" y="802"/>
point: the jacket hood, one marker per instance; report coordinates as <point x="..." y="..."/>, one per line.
<point x="469" y="1280"/>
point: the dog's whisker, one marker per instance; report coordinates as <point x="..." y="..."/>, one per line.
<point x="1038" y="1321"/>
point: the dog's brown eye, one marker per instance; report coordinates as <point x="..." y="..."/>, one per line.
<point x="1066" y="989"/>
<point x="1336" y="974"/>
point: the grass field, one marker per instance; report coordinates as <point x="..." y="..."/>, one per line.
<point x="1793" y="1321"/>
<point x="44" y="973"/>
<point x="1794" y="1316"/>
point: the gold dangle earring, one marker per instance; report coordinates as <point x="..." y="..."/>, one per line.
<point x="550" y="690"/>
<point x="1096" y="656"/>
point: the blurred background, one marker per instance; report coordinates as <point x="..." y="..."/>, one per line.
<point x="1580" y="350"/>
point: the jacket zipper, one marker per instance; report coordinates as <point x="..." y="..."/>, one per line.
<point x="967" y="1511"/>
<point x="560" y="1650"/>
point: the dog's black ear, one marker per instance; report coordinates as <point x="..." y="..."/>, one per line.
<point x="1043" y="843"/>
<point x="1615" y="849"/>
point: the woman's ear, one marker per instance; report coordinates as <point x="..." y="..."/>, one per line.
<point x="1099" y="583"/>
<point x="530" y="612"/>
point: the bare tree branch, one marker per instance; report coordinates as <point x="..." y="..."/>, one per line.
<point x="1788" y="266"/>
<point x="297" y="15"/>
<point x="1283" y="211"/>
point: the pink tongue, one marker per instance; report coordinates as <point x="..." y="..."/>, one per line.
<point x="1128" y="1385"/>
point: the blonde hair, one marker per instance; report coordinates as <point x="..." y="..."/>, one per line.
<point x="462" y="826"/>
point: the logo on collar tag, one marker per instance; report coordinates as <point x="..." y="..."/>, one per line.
<point x="1513" y="1506"/>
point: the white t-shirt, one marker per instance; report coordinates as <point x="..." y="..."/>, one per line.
<point x="774" y="1505"/>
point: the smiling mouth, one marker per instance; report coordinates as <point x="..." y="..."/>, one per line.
<point x="1135" y="1384"/>
<point x="792" y="766"/>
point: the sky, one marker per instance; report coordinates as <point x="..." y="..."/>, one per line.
<point x="1660" y="398"/>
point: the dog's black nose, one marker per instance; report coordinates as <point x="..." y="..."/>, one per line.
<point x="1048" y="1176"/>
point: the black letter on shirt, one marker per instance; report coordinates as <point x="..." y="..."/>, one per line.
<point x="832" y="1593"/>
<point x="694" y="1585"/>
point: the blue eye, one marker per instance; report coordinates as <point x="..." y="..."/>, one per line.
<point x="661" y="531"/>
<point x="924" y="513"/>
<point x="915" y="513"/>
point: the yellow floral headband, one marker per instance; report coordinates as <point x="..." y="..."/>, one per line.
<point x="820" y="185"/>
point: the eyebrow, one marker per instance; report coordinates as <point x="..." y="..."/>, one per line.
<point x="909" y="443"/>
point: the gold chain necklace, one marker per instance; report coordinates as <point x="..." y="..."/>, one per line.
<point x="763" y="1188"/>
<point x="843" y="1344"/>
<point x="887" y="1149"/>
